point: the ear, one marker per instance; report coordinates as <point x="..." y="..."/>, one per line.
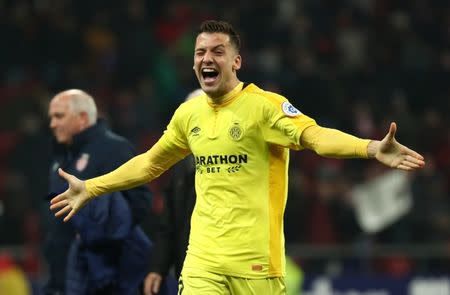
<point x="237" y="62"/>
<point x="84" y="119"/>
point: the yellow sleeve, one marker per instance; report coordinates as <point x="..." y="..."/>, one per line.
<point x="333" y="143"/>
<point x="138" y="170"/>
<point x="285" y="123"/>
<point x="170" y="148"/>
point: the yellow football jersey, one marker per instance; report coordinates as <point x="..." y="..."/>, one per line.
<point x="241" y="154"/>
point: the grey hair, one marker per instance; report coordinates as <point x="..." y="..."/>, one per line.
<point x="81" y="101"/>
<point x="196" y="92"/>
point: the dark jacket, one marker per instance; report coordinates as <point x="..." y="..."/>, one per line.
<point x="94" y="151"/>
<point x="109" y="250"/>
<point x="172" y="237"/>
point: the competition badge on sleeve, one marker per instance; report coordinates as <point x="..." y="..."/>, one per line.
<point x="289" y="109"/>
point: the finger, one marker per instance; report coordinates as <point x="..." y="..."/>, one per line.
<point x="147" y="287"/>
<point x="392" y="130"/>
<point x="415" y="160"/>
<point x="156" y="285"/>
<point x="414" y="154"/>
<point x="404" y="167"/>
<point x="59" y="204"/>
<point x="148" y="284"/>
<point x="410" y="164"/>
<point x="63" y="211"/>
<point x="64" y="174"/>
<point x="148" y="290"/>
<point x="71" y="213"/>
<point x="59" y="198"/>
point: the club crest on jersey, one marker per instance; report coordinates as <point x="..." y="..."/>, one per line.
<point x="289" y="109"/>
<point x="82" y="162"/>
<point x="236" y="132"/>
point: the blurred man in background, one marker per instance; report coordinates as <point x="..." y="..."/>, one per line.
<point x="108" y="251"/>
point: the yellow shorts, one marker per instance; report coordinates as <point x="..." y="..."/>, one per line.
<point x="198" y="282"/>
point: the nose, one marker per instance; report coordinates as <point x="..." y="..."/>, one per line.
<point x="207" y="57"/>
<point x="52" y="123"/>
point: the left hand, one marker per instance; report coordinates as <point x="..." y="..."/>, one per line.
<point x="152" y="283"/>
<point x="393" y="154"/>
<point x="73" y="199"/>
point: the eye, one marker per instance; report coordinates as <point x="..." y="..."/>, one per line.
<point x="199" y="52"/>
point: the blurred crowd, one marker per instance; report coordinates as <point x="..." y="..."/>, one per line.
<point x="355" y="65"/>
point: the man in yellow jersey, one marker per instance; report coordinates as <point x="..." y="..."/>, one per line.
<point x="240" y="136"/>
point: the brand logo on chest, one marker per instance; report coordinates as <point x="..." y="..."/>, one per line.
<point x="195" y="131"/>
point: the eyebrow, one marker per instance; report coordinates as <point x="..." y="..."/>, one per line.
<point x="214" y="48"/>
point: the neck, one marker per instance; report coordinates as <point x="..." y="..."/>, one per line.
<point x="225" y="98"/>
<point x="217" y="97"/>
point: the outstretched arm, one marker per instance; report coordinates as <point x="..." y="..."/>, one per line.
<point x="136" y="171"/>
<point x="337" y="144"/>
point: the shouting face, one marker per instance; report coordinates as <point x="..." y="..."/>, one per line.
<point x="216" y="61"/>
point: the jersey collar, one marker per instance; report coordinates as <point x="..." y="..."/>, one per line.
<point x="227" y="98"/>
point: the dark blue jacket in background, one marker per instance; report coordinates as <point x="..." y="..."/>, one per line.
<point x="94" y="151"/>
<point x="108" y="248"/>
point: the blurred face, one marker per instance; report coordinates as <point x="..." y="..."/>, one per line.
<point x="215" y="63"/>
<point x="65" y="123"/>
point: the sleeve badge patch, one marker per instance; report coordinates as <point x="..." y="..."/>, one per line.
<point x="289" y="109"/>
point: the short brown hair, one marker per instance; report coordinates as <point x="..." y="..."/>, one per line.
<point x="215" y="26"/>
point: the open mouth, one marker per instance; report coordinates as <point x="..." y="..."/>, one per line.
<point x="209" y="75"/>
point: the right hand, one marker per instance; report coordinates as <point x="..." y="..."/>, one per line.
<point x="152" y="283"/>
<point x="393" y="154"/>
<point x="73" y="199"/>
